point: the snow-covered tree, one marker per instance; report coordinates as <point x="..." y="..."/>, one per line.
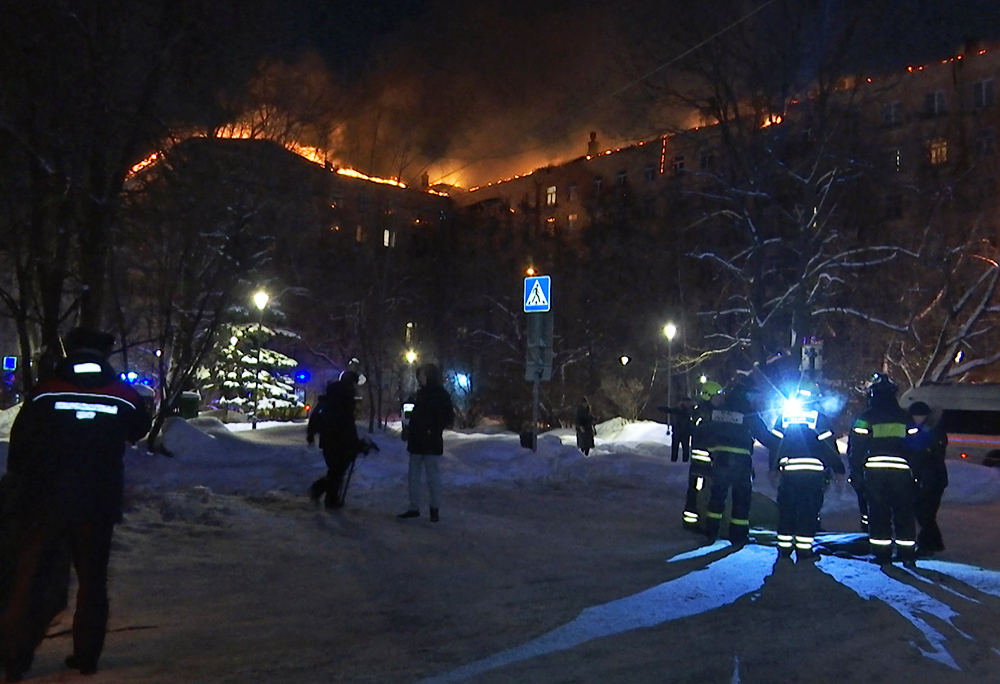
<point x="247" y="376"/>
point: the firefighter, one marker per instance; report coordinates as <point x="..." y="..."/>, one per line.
<point x="728" y="429"/>
<point x="805" y="456"/>
<point x="879" y="457"/>
<point x="700" y="470"/>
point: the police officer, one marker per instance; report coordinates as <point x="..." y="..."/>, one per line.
<point x="730" y="426"/>
<point x="880" y="460"/>
<point x="66" y="450"/>
<point x="929" y="443"/>
<point x="803" y="459"/>
<point x="700" y="470"/>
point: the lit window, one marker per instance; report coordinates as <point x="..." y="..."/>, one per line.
<point x="982" y="94"/>
<point x="678" y="163"/>
<point x="388" y="238"/>
<point x="550" y="196"/>
<point x="936" y="103"/>
<point x="571" y="192"/>
<point x="359" y="234"/>
<point x="571" y="221"/>
<point x="938" y="151"/>
<point x="892" y="114"/>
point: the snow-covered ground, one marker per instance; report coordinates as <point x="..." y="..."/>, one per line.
<point x="545" y="567"/>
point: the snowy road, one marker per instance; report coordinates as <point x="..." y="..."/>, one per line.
<point x="544" y="568"/>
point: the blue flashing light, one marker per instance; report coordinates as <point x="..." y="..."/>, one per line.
<point x="302" y="376"/>
<point x="10" y="363"/>
<point x="131" y="376"/>
<point x="462" y="380"/>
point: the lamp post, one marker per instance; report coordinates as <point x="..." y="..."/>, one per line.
<point x="260" y="301"/>
<point x="670" y="330"/>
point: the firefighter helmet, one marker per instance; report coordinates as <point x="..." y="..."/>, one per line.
<point x="881" y="386"/>
<point x="708" y="389"/>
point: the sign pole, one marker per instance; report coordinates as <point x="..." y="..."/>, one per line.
<point x="534" y="416"/>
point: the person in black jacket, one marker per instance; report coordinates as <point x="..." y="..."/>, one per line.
<point x="66" y="457"/>
<point x="682" y="424"/>
<point x="432" y="413"/>
<point x="333" y="420"/>
<point x="929" y="443"/>
<point x="584" y="427"/>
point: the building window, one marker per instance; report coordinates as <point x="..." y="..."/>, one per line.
<point x="388" y="238"/>
<point x="936" y="104"/>
<point x="938" y="149"/>
<point x="649" y="208"/>
<point x="550" y="225"/>
<point x="571" y="221"/>
<point x="677" y="164"/>
<point x="986" y="143"/>
<point x="550" y="196"/>
<point x="706" y="160"/>
<point x="571" y="192"/>
<point x="649" y="173"/>
<point x="892" y="114"/>
<point x="621" y="178"/>
<point x="894" y="207"/>
<point x="896" y="159"/>
<point x="598" y="182"/>
<point x="359" y="234"/>
<point x="982" y="94"/>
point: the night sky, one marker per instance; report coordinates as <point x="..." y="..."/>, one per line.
<point x="502" y="86"/>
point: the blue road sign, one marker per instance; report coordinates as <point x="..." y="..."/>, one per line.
<point x="537" y="290"/>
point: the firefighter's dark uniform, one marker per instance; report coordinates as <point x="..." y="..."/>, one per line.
<point x="729" y="429"/>
<point x="878" y="455"/>
<point x="699" y="473"/>
<point x="66" y="451"/>
<point x="805" y="455"/>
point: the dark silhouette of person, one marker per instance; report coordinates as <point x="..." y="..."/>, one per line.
<point x="585" y="429"/>
<point x="66" y="460"/>
<point x="333" y="420"/>
<point x="432" y="412"/>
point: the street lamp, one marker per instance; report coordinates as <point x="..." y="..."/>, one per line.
<point x="670" y="330"/>
<point x="260" y="301"/>
<point x="411" y="356"/>
<point x="624" y="360"/>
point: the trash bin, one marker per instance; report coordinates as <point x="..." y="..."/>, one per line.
<point x="528" y="440"/>
<point x="188" y="404"/>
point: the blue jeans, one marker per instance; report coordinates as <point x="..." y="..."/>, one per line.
<point x="418" y="463"/>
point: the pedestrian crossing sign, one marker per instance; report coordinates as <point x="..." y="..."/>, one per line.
<point x="536" y="294"/>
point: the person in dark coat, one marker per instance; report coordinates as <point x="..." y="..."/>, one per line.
<point x="334" y="421"/>
<point x="681" y="419"/>
<point x="432" y="413"/>
<point x="585" y="429"/>
<point x="929" y="442"/>
<point x="66" y="458"/>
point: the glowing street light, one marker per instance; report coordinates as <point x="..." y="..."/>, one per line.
<point x="624" y="360"/>
<point x="411" y="356"/>
<point x="260" y="301"/>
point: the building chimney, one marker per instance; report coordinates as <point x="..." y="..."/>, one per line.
<point x="593" y="147"/>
